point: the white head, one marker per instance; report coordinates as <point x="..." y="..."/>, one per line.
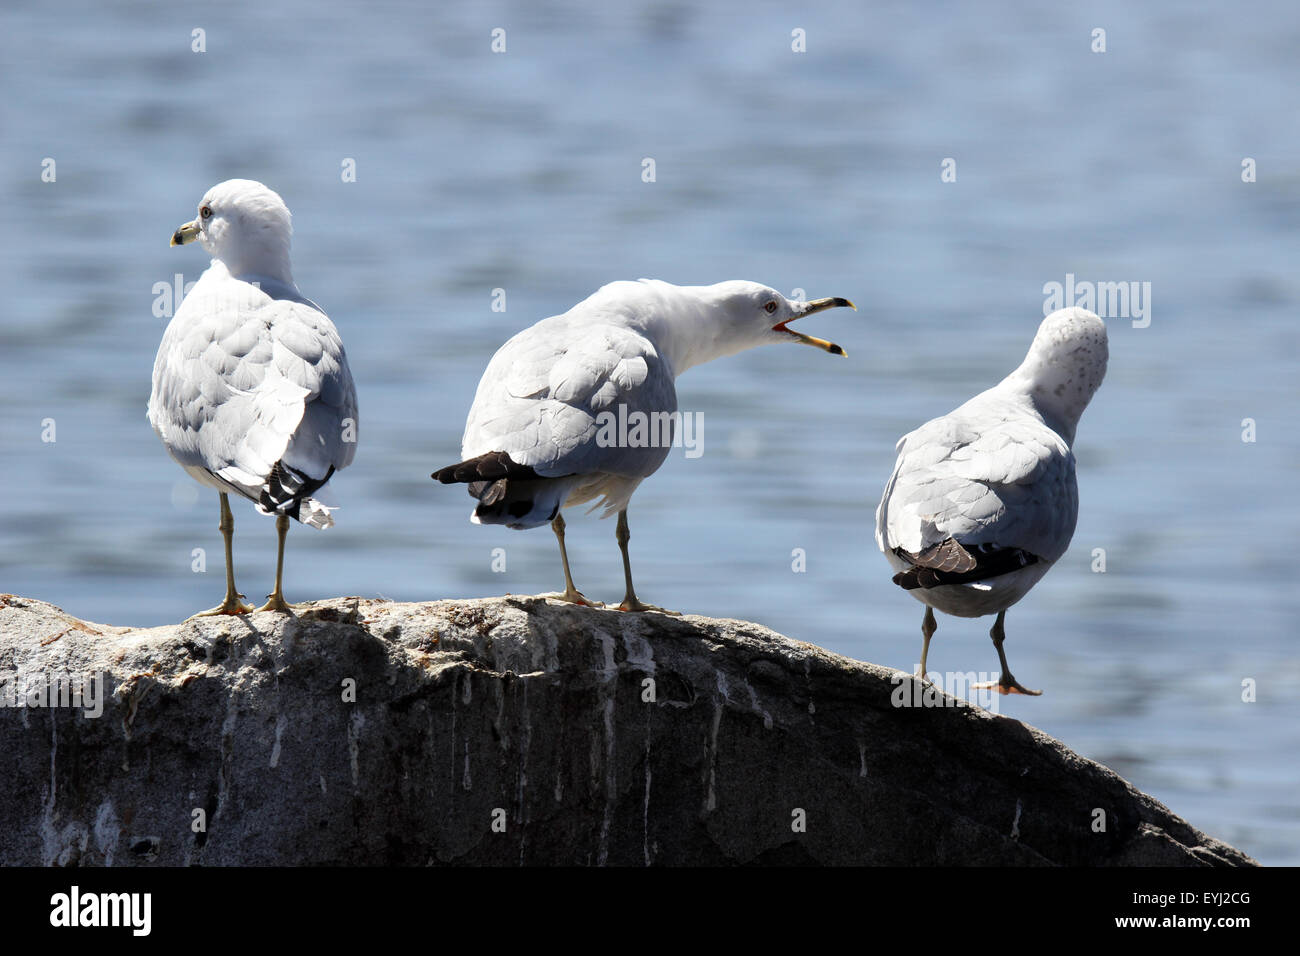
<point x="1064" y="367"/>
<point x="737" y="315"/>
<point x="246" y="226"/>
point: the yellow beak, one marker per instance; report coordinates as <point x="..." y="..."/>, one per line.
<point x="186" y="233"/>
<point x="816" y="305"/>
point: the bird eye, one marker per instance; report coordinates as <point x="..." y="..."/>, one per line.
<point x="205" y="212"/>
<point x="770" y="307"/>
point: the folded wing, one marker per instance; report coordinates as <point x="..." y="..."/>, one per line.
<point x="254" y="392"/>
<point x="999" y="488"/>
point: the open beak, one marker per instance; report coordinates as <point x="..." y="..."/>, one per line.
<point x="816" y="305"/>
<point x="186" y="233"/>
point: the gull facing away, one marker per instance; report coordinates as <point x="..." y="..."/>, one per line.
<point x="983" y="501"/>
<point x="251" y="389"/>
<point x="535" y="440"/>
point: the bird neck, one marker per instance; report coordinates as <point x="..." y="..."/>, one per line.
<point x="1047" y="390"/>
<point x="703" y="341"/>
<point x="689" y="330"/>
<point x="275" y="286"/>
<point x="252" y="253"/>
<point x="262" y="264"/>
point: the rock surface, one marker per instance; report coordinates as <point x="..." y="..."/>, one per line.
<point x="522" y="731"/>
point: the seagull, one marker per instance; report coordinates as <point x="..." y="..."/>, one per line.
<point x="252" y="394"/>
<point x="539" y="435"/>
<point x="983" y="500"/>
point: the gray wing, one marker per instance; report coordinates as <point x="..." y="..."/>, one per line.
<point x="982" y="475"/>
<point x="549" y="390"/>
<point x="244" y="382"/>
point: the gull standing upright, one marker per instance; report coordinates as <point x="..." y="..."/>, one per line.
<point x="251" y="388"/>
<point x="539" y="435"/>
<point x="983" y="501"/>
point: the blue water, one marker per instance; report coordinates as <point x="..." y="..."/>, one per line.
<point x="818" y="171"/>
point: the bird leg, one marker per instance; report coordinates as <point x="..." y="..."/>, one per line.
<point x="232" y="604"/>
<point x="571" y="594"/>
<point x="275" y="600"/>
<point x="1006" y="684"/>
<point x="630" y="602"/>
<point x="928" y="627"/>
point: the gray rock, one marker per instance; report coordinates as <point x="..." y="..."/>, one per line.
<point x="517" y="730"/>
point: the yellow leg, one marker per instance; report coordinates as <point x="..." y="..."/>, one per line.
<point x="232" y="604"/>
<point x="630" y="602"/>
<point x="275" y="600"/>
<point x="928" y="627"/>
<point x="571" y="594"/>
<point x="1007" y="684"/>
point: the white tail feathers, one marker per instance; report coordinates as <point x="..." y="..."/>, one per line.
<point x="310" y="511"/>
<point x="314" y="513"/>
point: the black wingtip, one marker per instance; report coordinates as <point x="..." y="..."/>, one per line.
<point x="286" y="488"/>
<point x="907" y="580"/>
<point x="493" y="465"/>
<point x="949" y="563"/>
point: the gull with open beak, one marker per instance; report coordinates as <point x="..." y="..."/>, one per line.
<point x="537" y="439"/>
